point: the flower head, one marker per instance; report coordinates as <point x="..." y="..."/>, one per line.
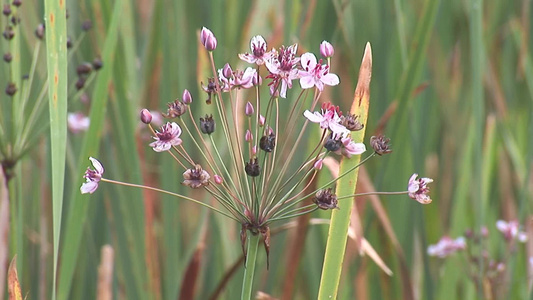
<point x="447" y="246"/>
<point x="175" y="109"/>
<point x="166" y="137"/>
<point x="329" y="117"/>
<point x="418" y="189"/>
<point x="381" y="144"/>
<point x="315" y="74"/>
<point x="259" y="51"/>
<point x="78" y="122"/>
<point x="510" y="230"/>
<point x="92" y="177"/>
<point x="196" y="177"/>
<point x="326" y="199"/>
<point x="349" y="147"/>
<point x="326" y="49"/>
<point x="282" y="68"/>
<point x="208" y="39"/>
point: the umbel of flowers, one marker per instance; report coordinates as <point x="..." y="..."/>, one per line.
<point x="261" y="170"/>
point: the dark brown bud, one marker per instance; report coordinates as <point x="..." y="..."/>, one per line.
<point x="8" y="57"/>
<point x="17" y="3"/>
<point x="9" y="33"/>
<point x="325" y="199"/>
<point x="332" y="144"/>
<point x="175" y="109"/>
<point x="146" y="116"/>
<point x="11" y="89"/>
<point x="380" y="144"/>
<point x="252" y="168"/>
<point x="69" y="42"/>
<point x="80" y="83"/>
<point x="39" y="32"/>
<point x="207" y="124"/>
<point x="15" y="20"/>
<point x="267" y="142"/>
<point x="196" y="177"/>
<point x="209" y="89"/>
<point x="351" y="123"/>
<point x="84" y="69"/>
<point x="97" y="63"/>
<point x="7" y="10"/>
<point x="86" y="25"/>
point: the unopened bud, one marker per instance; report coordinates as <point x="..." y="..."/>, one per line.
<point x="11" y="89"/>
<point x="227" y="71"/>
<point x="86" y="25"/>
<point x="97" y="63"/>
<point x="208" y="39"/>
<point x="7" y="10"/>
<point x="17" y="3"/>
<point x="218" y="179"/>
<point x="207" y="124"/>
<point x="186" y="97"/>
<point x="80" y="83"/>
<point x="248" y="136"/>
<point x="257" y="80"/>
<point x="9" y="33"/>
<point x="249" y="109"/>
<point x="84" y="69"/>
<point x="39" y="32"/>
<point x="8" y="57"/>
<point x="318" y="164"/>
<point x="261" y="120"/>
<point x="69" y="42"/>
<point x="146" y="116"/>
<point x="326" y="49"/>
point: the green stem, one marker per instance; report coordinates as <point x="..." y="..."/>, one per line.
<point x="253" y="244"/>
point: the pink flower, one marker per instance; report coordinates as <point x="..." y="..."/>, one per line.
<point x="239" y="79"/>
<point x="510" y="230"/>
<point x="167" y="137"/>
<point x="315" y="74"/>
<point x="78" y="122"/>
<point x="326" y="49"/>
<point x="92" y="177"/>
<point x="418" y="189"/>
<point x="259" y="51"/>
<point x="329" y="117"/>
<point x="349" y="147"/>
<point x="282" y="68"/>
<point x="447" y="246"/>
<point x="208" y="39"/>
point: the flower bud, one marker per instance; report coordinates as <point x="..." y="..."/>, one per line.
<point x="9" y="33"/>
<point x="86" y="25"/>
<point x="39" y="32"/>
<point x="84" y="69"/>
<point x="17" y="3"/>
<point x="7" y="10"/>
<point x="97" y="63"/>
<point x="218" y="179"/>
<point x="186" y="97"/>
<point x="380" y="144"/>
<point x="146" y="116"/>
<point x="261" y="120"/>
<point x="69" y="42"/>
<point x="207" y="124"/>
<point x="248" y="136"/>
<point x="252" y="168"/>
<point x="208" y="39"/>
<point x="254" y="150"/>
<point x="249" y="109"/>
<point x="318" y="164"/>
<point x="8" y="57"/>
<point x="227" y="71"/>
<point x="80" y="83"/>
<point x="326" y="49"/>
<point x="11" y="89"/>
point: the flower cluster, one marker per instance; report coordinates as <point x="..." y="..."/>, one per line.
<point x="249" y="155"/>
<point x="447" y="246"/>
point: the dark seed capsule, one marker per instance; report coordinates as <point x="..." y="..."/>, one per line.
<point x="84" y="69"/>
<point x="7" y="10"/>
<point x="267" y="142"/>
<point x="252" y="168"/>
<point x="97" y="63"/>
<point x="17" y="3"/>
<point x="69" y="43"/>
<point x="381" y="144"/>
<point x="11" y="89"/>
<point x="332" y="144"/>
<point x="8" y="57"/>
<point x="86" y="25"/>
<point x="80" y="83"/>
<point x="9" y="33"/>
<point x="207" y="124"/>
<point x="325" y="199"/>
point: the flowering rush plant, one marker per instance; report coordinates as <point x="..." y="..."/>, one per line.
<point x="261" y="169"/>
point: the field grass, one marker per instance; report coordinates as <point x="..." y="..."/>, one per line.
<point x="452" y="86"/>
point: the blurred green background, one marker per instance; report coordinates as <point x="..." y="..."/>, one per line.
<point x="452" y="87"/>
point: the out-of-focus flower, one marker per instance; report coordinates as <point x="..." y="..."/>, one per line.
<point x="447" y="246"/>
<point x="196" y="177"/>
<point x="328" y="118"/>
<point x="315" y="74"/>
<point x="92" y="177"/>
<point x="78" y="122"/>
<point x="207" y="124"/>
<point x="418" y="189"/>
<point x="259" y="51"/>
<point x="237" y="79"/>
<point x="282" y="68"/>
<point x="166" y="137"/>
<point x="326" y="49"/>
<point x="218" y="179"/>
<point x="325" y="199"/>
<point x="146" y="116"/>
<point x="510" y="230"/>
<point x="208" y="39"/>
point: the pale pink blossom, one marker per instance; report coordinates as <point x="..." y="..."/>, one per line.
<point x="167" y="137"/>
<point x="418" y="189"/>
<point x="259" y="53"/>
<point x="282" y="68"/>
<point x="329" y="117"/>
<point x="315" y="74"/>
<point x="239" y="79"/>
<point x="447" y="246"/>
<point x="92" y="177"/>
<point x="510" y="230"/>
<point x="78" y="122"/>
<point x="349" y="147"/>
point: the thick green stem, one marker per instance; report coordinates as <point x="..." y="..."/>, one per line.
<point x="247" y="282"/>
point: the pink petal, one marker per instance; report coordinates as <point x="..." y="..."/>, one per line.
<point x="89" y="187"/>
<point x="330" y="79"/>
<point x="308" y="60"/>
<point x="313" y="117"/>
<point x="307" y="82"/>
<point x="97" y="165"/>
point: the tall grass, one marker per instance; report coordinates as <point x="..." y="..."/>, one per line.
<point x="452" y="84"/>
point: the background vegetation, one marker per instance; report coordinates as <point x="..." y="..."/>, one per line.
<point x="452" y="87"/>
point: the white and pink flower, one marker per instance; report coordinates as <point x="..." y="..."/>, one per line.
<point x="315" y="74"/>
<point x="78" y="122"/>
<point x="166" y="137"/>
<point x="92" y="177"/>
<point x="510" y="230"/>
<point x="259" y="53"/>
<point x="282" y="68"/>
<point x="418" y="189"/>
<point x="447" y="246"/>
<point x="329" y="117"/>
